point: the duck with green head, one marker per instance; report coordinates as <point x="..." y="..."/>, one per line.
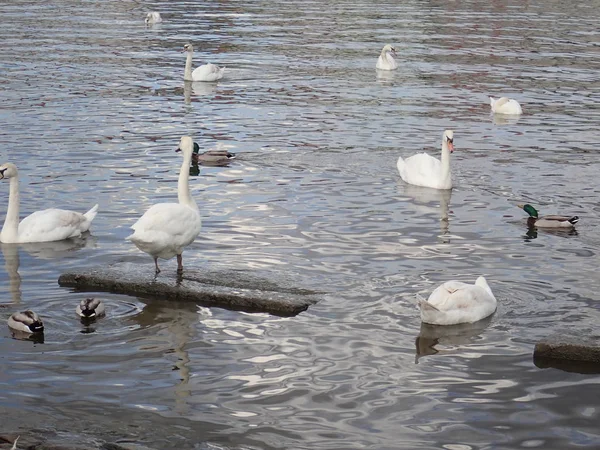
<point x="218" y="157"/>
<point x="552" y="221"/>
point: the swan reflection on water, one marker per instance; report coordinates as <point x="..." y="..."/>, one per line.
<point x="198" y="88"/>
<point x="505" y="119"/>
<point x="429" y="197"/>
<point x="39" y="250"/>
<point x="447" y="335"/>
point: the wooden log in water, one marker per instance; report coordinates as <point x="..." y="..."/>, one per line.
<point x="230" y="289"/>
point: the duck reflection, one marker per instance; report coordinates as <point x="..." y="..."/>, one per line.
<point x="40" y="250"/>
<point x="449" y="335"/>
<point x="427" y="196"/>
<point x="532" y="233"/>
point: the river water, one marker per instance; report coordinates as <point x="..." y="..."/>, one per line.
<point x="93" y="105"/>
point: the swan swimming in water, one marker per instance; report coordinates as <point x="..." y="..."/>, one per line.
<point x="386" y="59"/>
<point x="153" y="17"/>
<point x="205" y="72"/>
<point x="41" y="226"/>
<point x="505" y="105"/>
<point x="425" y="170"/>
<point x="456" y="302"/>
<point x="167" y="228"/>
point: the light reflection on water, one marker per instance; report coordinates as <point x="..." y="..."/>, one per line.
<point x="94" y="107"/>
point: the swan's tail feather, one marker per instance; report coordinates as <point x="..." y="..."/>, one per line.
<point x="492" y="101"/>
<point x="574" y="219"/>
<point x="91" y="214"/>
<point x="425" y="305"/>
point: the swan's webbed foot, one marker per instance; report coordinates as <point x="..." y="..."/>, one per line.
<point x="156" y="265"/>
<point x="179" y="263"/>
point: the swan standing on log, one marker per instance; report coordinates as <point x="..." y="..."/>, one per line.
<point x="205" y="72"/>
<point x="425" y="170"/>
<point x="386" y="59"/>
<point x="41" y="226"/>
<point x="167" y="228"/>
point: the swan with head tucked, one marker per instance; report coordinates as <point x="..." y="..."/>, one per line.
<point x="505" y="105"/>
<point x="205" y="72"/>
<point x="167" y="228"/>
<point x="425" y="170"/>
<point x="26" y="322"/>
<point x="90" y="308"/>
<point x="386" y="59"/>
<point x="41" y="226"/>
<point x="153" y="17"/>
<point x="456" y="302"/>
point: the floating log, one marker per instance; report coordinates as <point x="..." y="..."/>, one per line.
<point x="230" y="289"/>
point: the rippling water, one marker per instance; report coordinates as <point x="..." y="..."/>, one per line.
<point x="93" y="107"/>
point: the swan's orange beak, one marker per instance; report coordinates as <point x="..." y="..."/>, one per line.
<point x="451" y="146"/>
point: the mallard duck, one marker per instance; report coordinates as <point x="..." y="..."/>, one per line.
<point x="505" y="105"/>
<point x="211" y="157"/>
<point x="90" y="308"/>
<point x="425" y="170"/>
<point x="386" y="59"/>
<point x="167" y="228"/>
<point x="205" y="72"/>
<point x="26" y="322"/>
<point x="153" y="17"/>
<point x="552" y="221"/>
<point x="456" y="302"/>
<point x="41" y="226"/>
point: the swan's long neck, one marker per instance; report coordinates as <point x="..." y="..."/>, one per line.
<point x="445" y="159"/>
<point x="187" y="75"/>
<point x="10" y="230"/>
<point x="183" y="186"/>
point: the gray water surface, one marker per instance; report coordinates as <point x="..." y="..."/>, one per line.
<point x="93" y="106"/>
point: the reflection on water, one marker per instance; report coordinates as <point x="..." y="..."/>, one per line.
<point x="94" y="109"/>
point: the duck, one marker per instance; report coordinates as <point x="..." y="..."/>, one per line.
<point x="167" y="228"/>
<point x="425" y="170"/>
<point x="219" y="157"/>
<point x="456" y="302"/>
<point x="153" y="17"/>
<point x="90" y="308"/>
<point x="386" y="59"/>
<point x="47" y="225"/>
<point x="205" y="72"/>
<point x="26" y="322"/>
<point x="551" y="221"/>
<point x="505" y="105"/>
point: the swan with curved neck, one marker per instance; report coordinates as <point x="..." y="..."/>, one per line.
<point x="41" y="226"/>
<point x="425" y="170"/>
<point x="167" y="228"/>
<point x="386" y="59"/>
<point x="206" y="72"/>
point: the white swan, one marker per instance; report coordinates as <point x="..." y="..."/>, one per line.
<point x="91" y="308"/>
<point x="167" y="228"/>
<point x="41" y="226"/>
<point x="425" y="170"/>
<point x="505" y="105"/>
<point x="153" y="17"/>
<point x="455" y="302"/>
<point x="386" y="59"/>
<point x="205" y="72"/>
<point x="26" y="322"/>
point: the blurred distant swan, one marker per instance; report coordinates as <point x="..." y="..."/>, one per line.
<point x="167" y="228"/>
<point x="40" y="226"/>
<point x="205" y="72"/>
<point x="153" y="17"/>
<point x="425" y="170"/>
<point x="455" y="302"/>
<point x="386" y="59"/>
<point x="505" y="105"/>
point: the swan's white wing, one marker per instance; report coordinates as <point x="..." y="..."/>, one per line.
<point x="165" y="229"/>
<point x="421" y="170"/>
<point x="51" y="225"/>
<point x="207" y="72"/>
